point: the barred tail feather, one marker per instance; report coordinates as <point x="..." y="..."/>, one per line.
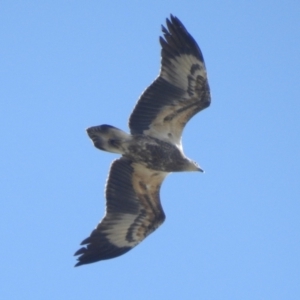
<point x="108" y="138"/>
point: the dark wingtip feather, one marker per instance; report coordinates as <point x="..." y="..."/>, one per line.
<point x="179" y="39"/>
<point x="79" y="264"/>
<point x="94" y="253"/>
<point x="80" y="251"/>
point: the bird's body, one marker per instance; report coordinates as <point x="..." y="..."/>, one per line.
<point x="151" y="151"/>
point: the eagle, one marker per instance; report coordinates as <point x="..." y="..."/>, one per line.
<point x="151" y="151"/>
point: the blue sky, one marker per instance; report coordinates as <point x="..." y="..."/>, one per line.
<point x="231" y="233"/>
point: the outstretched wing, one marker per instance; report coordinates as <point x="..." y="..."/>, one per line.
<point x="180" y="91"/>
<point x="133" y="211"/>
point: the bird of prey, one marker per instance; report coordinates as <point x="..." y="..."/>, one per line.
<point x="151" y="151"/>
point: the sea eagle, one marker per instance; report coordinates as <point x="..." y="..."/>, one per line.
<point x="152" y="150"/>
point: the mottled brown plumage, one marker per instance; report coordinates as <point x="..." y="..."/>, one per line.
<point x="151" y="151"/>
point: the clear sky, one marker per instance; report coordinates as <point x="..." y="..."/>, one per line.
<point x="230" y="233"/>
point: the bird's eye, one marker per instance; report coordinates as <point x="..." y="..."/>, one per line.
<point x="195" y="163"/>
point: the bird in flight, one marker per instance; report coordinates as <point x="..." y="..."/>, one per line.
<point x="151" y="151"/>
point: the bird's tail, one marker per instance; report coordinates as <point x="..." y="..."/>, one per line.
<point x="108" y="138"/>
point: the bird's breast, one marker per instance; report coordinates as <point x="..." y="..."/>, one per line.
<point x="155" y="154"/>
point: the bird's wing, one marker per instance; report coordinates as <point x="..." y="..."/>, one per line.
<point x="133" y="211"/>
<point x="180" y="91"/>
